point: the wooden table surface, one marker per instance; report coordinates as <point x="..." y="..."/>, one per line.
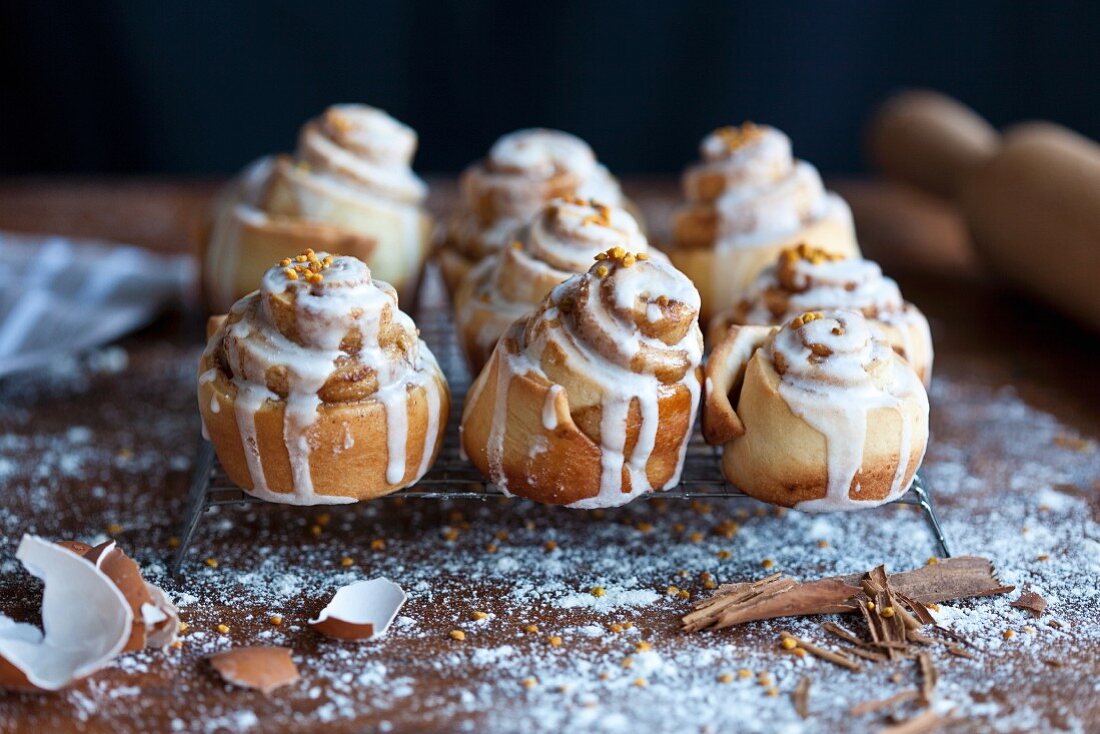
<point x="131" y="468"/>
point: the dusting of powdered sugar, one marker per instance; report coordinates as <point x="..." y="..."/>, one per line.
<point x="1013" y="483"/>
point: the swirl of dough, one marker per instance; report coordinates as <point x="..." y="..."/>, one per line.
<point x="541" y="153"/>
<point x="560" y="241"/>
<point x="348" y="188"/>
<point x="811" y="279"/>
<point x="322" y="333"/>
<point x="637" y="314"/>
<point x="335" y="332"/>
<point x="569" y="233"/>
<point x="364" y="147"/>
<point x="746" y="200"/>
<point x="750" y="177"/>
<point x="835" y="349"/>
<point x="819" y="414"/>
<point x="591" y="400"/>
<point x="808" y="279"/>
<point x="524" y="170"/>
<point x="734" y="156"/>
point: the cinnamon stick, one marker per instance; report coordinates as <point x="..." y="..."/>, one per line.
<point x="833" y="657"/>
<point x="800" y="697"/>
<point x="781" y="596"/>
<point x="922" y="723"/>
<point x="867" y="707"/>
<point x="929" y="677"/>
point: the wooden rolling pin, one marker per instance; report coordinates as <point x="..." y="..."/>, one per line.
<point x="1030" y="197"/>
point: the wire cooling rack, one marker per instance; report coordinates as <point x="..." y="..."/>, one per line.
<point x="453" y="478"/>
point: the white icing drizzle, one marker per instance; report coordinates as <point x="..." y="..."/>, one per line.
<point x="324" y="314"/>
<point x="431" y="434"/>
<point x="604" y="349"/>
<point x="766" y="193"/>
<point x="549" y="412"/>
<point x="396" y="400"/>
<point x="834" y="394"/>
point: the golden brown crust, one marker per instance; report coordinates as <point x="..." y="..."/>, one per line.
<point x="349" y="449"/>
<point x="774" y="455"/>
<point x="560" y="465"/>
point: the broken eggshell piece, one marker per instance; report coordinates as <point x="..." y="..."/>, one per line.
<point x="161" y="617"/>
<point x="263" y="668"/>
<point x="156" y="618"/>
<point x="126" y="575"/>
<point x="86" y="621"/>
<point x="360" y="610"/>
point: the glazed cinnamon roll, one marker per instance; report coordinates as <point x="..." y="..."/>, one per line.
<point x="316" y="389"/>
<point x="819" y="414"/>
<point x="524" y="170"/>
<point x="810" y="279"/>
<point x="559" y="242"/>
<point x="347" y="189"/>
<point x="746" y="201"/>
<point x="590" y="401"/>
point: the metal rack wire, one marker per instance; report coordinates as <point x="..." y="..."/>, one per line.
<point x="453" y="478"/>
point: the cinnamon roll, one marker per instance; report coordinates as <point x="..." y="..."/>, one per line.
<point x="590" y="401"/>
<point x="819" y="414"/>
<point x="810" y="279"/>
<point x="347" y="189"/>
<point x="316" y="389"/>
<point x="747" y="200"/>
<point x="524" y="170"/>
<point x="558" y="242"/>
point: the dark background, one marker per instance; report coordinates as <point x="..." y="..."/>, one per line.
<point x="117" y="86"/>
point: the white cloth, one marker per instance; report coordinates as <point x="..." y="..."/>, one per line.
<point x="61" y="296"/>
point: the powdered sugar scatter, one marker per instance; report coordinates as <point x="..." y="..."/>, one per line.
<point x="1009" y="486"/>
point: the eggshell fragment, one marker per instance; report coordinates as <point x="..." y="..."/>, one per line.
<point x="86" y="621"/>
<point x="156" y="618"/>
<point x="161" y="617"/>
<point x="126" y="575"/>
<point x="361" y="610"/>
<point x="262" y="668"/>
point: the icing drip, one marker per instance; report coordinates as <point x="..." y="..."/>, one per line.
<point x="599" y="321"/>
<point x="759" y="190"/>
<point x="549" y="413"/>
<point x="833" y="373"/>
<point x="396" y="398"/>
<point x="305" y="330"/>
<point x="431" y="435"/>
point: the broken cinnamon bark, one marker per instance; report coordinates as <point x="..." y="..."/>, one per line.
<point x="927" y="721"/>
<point x="800" y="697"/>
<point x="819" y="652"/>
<point x="1030" y="602"/>
<point x="868" y="707"/>
<point x="781" y="596"/>
<point x="929" y="677"/>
